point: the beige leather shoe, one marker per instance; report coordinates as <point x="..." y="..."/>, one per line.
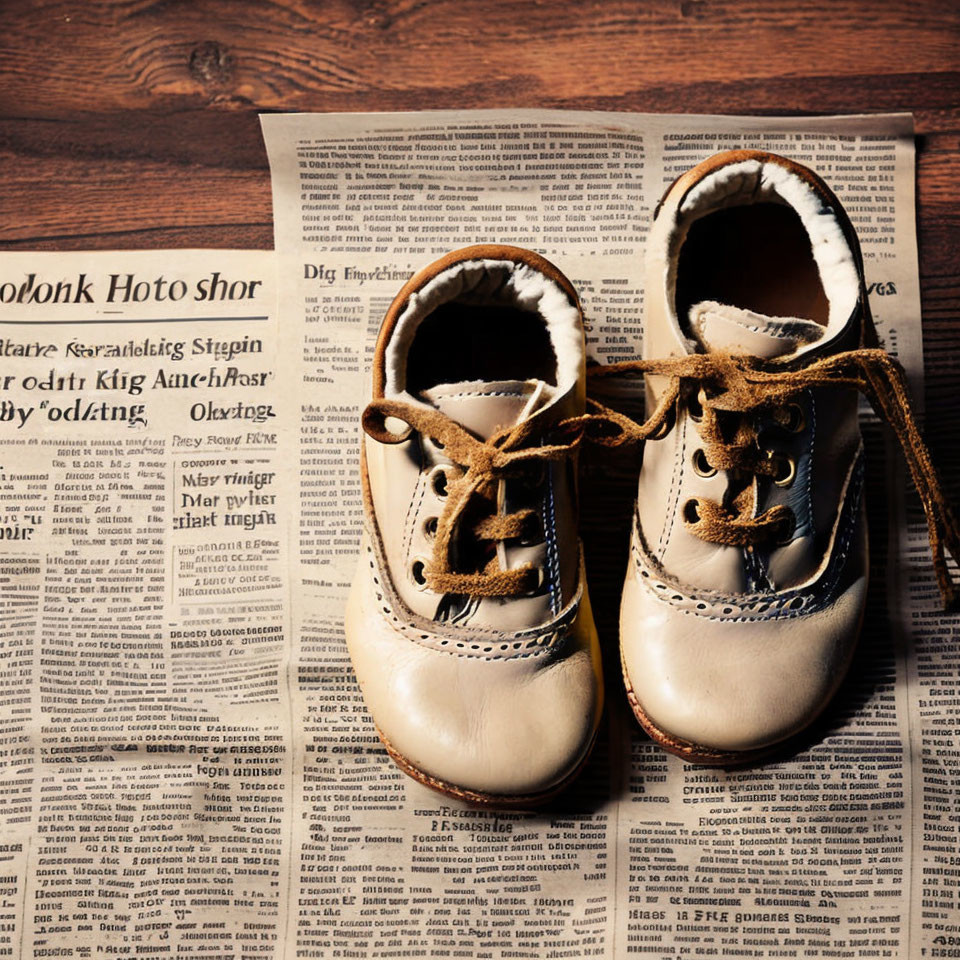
<point x="748" y="567"/>
<point x="469" y="624"/>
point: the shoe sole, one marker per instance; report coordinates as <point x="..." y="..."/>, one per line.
<point x="501" y="801"/>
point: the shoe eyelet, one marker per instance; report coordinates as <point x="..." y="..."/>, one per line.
<point x="794" y="419"/>
<point x="430" y="527"/>
<point x="439" y="481"/>
<point x="786" y="469"/>
<point x="695" y="405"/>
<point x="541" y="580"/>
<point x="787" y="528"/>
<point x="702" y="466"/>
<point x="691" y="511"/>
<point x="418" y="573"/>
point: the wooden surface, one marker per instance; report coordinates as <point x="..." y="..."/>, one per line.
<point x="133" y="123"/>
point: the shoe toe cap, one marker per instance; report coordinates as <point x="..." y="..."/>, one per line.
<point x="734" y="684"/>
<point x="490" y="727"/>
<point x="512" y="726"/>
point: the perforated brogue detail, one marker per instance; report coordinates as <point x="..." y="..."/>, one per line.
<point x="468" y="642"/>
<point x="758" y="606"/>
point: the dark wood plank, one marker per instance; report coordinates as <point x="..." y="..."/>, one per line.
<point x="291" y="55"/>
<point x="48" y="197"/>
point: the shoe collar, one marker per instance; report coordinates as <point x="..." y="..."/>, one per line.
<point x="743" y="177"/>
<point x="485" y="274"/>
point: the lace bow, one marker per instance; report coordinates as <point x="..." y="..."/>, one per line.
<point x="510" y="452"/>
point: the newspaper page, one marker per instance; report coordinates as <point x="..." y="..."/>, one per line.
<point x="145" y="770"/>
<point x="187" y="767"/>
<point x="845" y="847"/>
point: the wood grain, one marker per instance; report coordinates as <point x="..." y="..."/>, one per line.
<point x="291" y="55"/>
<point x="133" y="123"/>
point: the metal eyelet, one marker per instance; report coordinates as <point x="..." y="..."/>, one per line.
<point x="430" y="527"/>
<point x="794" y="420"/>
<point x="541" y="580"/>
<point x="418" y="573"/>
<point x="691" y="511"/>
<point x="702" y="466"/>
<point x="786" y="469"/>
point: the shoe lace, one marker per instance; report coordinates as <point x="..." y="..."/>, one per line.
<point x="729" y="384"/>
<point x="471" y="503"/>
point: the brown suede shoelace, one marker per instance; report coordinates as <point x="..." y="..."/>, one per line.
<point x="515" y="452"/>
<point x="737" y="385"/>
<point x="726" y="385"/>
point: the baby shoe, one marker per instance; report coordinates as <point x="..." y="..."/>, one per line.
<point x="748" y="569"/>
<point x="468" y="623"/>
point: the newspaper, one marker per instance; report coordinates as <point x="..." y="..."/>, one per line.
<point x="186" y="765"/>
<point x="145" y="759"/>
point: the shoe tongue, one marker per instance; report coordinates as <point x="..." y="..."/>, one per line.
<point x="719" y="327"/>
<point x="484" y="408"/>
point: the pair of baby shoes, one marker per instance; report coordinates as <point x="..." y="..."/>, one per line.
<point x="469" y="622"/>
